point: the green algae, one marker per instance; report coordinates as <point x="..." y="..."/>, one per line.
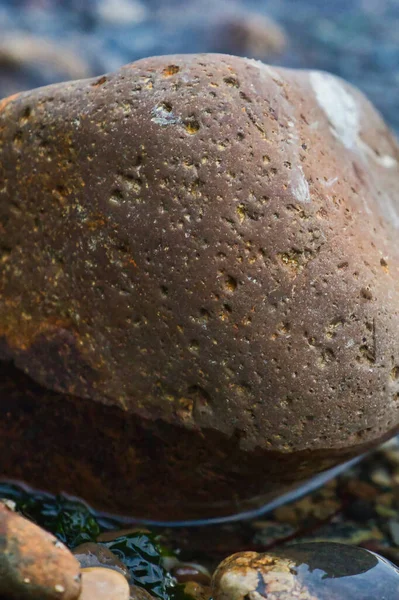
<point x="74" y="523"/>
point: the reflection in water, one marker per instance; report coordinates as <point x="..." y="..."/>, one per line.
<point x="333" y="571"/>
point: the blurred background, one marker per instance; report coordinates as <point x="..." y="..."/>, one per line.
<point x="44" y="41"/>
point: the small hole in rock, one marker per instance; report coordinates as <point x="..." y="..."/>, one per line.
<point x="170" y="70"/>
<point x="99" y="81"/>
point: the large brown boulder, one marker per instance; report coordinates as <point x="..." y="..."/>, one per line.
<point x="309" y="571"/>
<point x="208" y="246"/>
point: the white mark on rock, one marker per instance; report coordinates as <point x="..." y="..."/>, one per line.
<point x="389" y="162"/>
<point x="386" y="161"/>
<point x="162" y="116"/>
<point x="330" y="182"/>
<point x="300" y="187"/>
<point x="389" y="208"/>
<point x="339" y="105"/>
<point x="343" y="113"/>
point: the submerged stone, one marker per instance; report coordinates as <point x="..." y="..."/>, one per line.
<point x="199" y="261"/>
<point x="310" y="571"/>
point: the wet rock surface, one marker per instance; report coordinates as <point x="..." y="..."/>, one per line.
<point x="92" y="555"/>
<point x="148" y="240"/>
<point x="356" y="40"/>
<point x="329" y="515"/>
<point x="189" y="572"/>
<point x="34" y="565"/>
<point x="318" y="571"/>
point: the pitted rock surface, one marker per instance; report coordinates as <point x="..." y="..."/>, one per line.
<point x="210" y="243"/>
<point x="309" y="571"/>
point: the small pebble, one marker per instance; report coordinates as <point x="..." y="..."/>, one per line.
<point x="99" y="583"/>
<point x="184" y="572"/>
<point x="251" y="35"/>
<point x="97" y="555"/>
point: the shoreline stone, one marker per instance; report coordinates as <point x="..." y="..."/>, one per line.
<point x="208" y="244"/>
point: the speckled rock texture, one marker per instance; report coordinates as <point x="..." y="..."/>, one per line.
<point x="34" y="565"/>
<point x="210" y="245"/>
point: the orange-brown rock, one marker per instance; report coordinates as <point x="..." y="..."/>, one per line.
<point x="204" y="247"/>
<point x="249" y="34"/>
<point x="103" y="584"/>
<point x="34" y="565"/>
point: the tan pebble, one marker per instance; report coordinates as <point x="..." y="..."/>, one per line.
<point x="252" y="35"/>
<point x="103" y="584"/>
<point x="191" y="572"/>
<point x="23" y="49"/>
<point x="361" y="489"/>
<point x="242" y="575"/>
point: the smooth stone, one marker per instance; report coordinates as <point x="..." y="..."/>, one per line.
<point x="249" y="34"/>
<point x="199" y="254"/>
<point x="103" y="584"/>
<point x="310" y="571"/>
<point x="34" y="565"/>
<point x="21" y="50"/>
<point x="191" y="572"/>
<point x="90" y="554"/>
